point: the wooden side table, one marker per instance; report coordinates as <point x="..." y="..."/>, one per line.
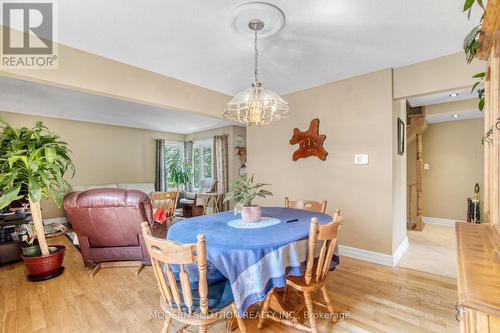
<point x="216" y="198"/>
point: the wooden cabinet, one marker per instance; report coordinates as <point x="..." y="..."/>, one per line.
<point x="490" y="52"/>
<point x="478" y="250"/>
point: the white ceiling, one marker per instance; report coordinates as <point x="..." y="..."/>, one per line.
<point x="322" y="40"/>
<point x="459" y="113"/>
<point x="443" y="97"/>
<point x="42" y="100"/>
<point x="454" y="116"/>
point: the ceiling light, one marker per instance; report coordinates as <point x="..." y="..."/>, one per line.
<point x="456" y="115"/>
<point x="454" y="95"/>
<point x="256" y="105"/>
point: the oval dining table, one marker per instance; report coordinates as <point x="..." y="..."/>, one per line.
<point x="255" y="260"/>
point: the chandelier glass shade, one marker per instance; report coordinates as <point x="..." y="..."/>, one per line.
<point x="256" y="106"/>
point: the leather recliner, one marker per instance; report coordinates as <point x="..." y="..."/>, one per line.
<point x="108" y="224"/>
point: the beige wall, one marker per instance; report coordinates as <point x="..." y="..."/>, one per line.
<point x="454" y="152"/>
<point x="440" y="74"/>
<point x="102" y="154"/>
<point x="398" y="178"/>
<point x="356" y="116"/>
<point x="238" y="131"/>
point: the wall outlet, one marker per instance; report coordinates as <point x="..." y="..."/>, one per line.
<point x="426" y="166"/>
<point x="361" y="159"/>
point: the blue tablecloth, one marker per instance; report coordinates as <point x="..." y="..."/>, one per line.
<point x="254" y="260"/>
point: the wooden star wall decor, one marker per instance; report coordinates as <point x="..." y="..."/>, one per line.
<point x="310" y="142"/>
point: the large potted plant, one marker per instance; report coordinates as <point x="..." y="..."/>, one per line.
<point x="243" y="193"/>
<point x="179" y="174"/>
<point x="33" y="162"/>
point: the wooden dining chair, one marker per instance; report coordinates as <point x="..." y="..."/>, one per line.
<point x="311" y="205"/>
<point x="200" y="306"/>
<point x="166" y="201"/>
<point x="315" y="275"/>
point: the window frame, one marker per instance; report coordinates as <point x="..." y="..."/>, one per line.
<point x="168" y="144"/>
<point x="203" y="144"/>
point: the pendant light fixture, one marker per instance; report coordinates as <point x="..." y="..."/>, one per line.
<point x="256" y="106"/>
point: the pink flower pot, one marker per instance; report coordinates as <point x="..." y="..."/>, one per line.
<point x="251" y="214"/>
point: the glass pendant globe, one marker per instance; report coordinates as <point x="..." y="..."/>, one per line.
<point x="256" y="106"/>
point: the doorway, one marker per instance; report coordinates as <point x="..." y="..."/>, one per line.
<point x="444" y="176"/>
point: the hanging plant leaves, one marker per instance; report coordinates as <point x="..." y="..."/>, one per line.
<point x="468" y="6"/>
<point x="480" y="92"/>
<point x="471" y="43"/>
<point x="481" y="104"/>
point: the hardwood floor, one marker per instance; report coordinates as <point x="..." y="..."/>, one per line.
<point x="378" y="298"/>
<point x="432" y="250"/>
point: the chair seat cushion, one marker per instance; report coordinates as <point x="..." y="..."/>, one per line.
<point x="219" y="296"/>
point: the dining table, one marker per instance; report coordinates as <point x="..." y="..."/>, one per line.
<point x="254" y="257"/>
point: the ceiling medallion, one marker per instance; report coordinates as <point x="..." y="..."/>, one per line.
<point x="257" y="105"/>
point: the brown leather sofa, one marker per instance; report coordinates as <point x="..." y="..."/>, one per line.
<point x="108" y="224"/>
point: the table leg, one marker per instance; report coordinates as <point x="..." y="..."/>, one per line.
<point x="217" y="203"/>
<point x="206" y="202"/>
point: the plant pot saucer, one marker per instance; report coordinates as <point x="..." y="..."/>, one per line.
<point x="38" y="278"/>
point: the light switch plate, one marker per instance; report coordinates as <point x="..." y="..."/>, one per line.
<point x="361" y="159"/>
<point x="426" y="166"/>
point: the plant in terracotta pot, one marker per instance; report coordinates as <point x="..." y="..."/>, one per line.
<point x="243" y="192"/>
<point x="33" y="162"/>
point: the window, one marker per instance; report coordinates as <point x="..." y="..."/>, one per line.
<point x="202" y="161"/>
<point x="174" y="155"/>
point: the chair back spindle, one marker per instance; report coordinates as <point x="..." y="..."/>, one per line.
<point x="166" y="201"/>
<point x="165" y="253"/>
<point x="328" y="235"/>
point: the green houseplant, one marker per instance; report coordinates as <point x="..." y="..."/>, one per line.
<point x="471" y="47"/>
<point x="243" y="193"/>
<point x="179" y="174"/>
<point x="33" y="162"/>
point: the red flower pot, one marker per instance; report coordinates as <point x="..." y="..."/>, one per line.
<point x="45" y="265"/>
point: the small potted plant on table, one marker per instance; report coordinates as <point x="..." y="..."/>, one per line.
<point x="33" y="162"/>
<point x="243" y="193"/>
